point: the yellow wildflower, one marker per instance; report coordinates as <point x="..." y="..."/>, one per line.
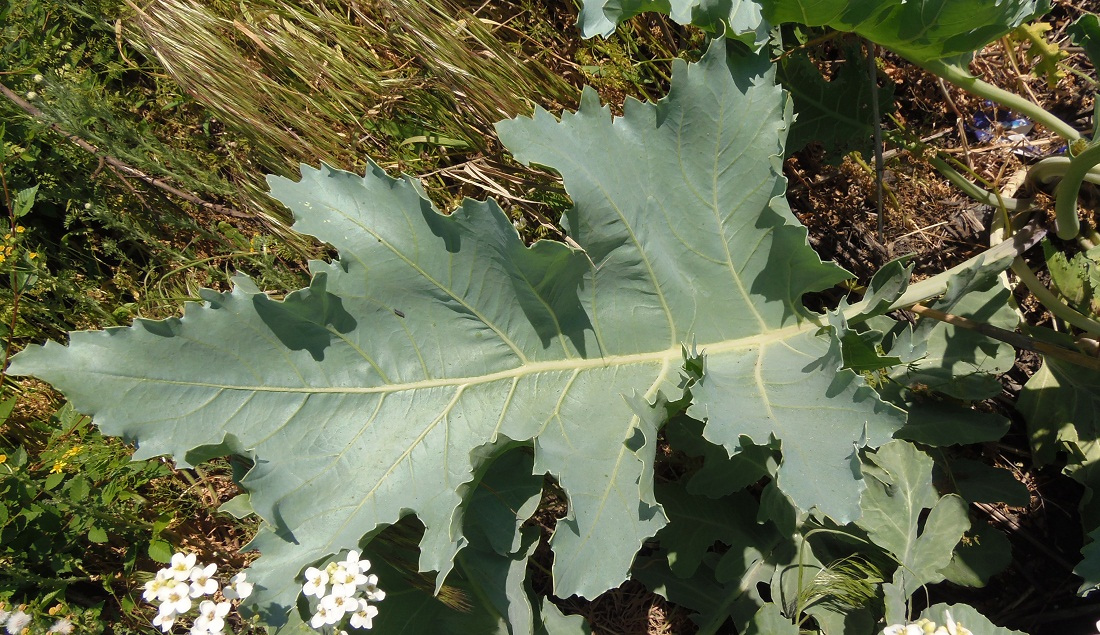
<point x="32" y="254"/>
<point x="7" y="236"/>
<point x="19" y="229"/>
<point x="58" y="466"/>
<point x="71" y="452"/>
<point x="2" y="258"/>
<point x="3" y="459"/>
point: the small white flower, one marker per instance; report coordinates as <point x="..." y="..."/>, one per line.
<point x="4" y="614"/>
<point x="374" y="594"/>
<point x="38" y="79"/>
<point x="62" y="626"/>
<point x="182" y="564"/>
<point x="316" y="580"/>
<point x="87" y="206"/>
<point x="363" y="617"/>
<point x="164" y="622"/>
<point x="202" y="580"/>
<point x="212" y="616"/>
<point x="353" y="563"/>
<point x="321" y="617"/>
<point x="159" y="584"/>
<point x="17" y="622"/>
<point x="239" y="587"/>
<point x="32" y="95"/>
<point x="175" y="598"/>
<point x="341" y="604"/>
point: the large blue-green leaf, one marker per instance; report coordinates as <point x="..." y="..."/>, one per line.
<point x="917" y="29"/>
<point x="382" y="389"/>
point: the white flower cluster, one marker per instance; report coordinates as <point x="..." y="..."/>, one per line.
<point x="337" y="586"/>
<point x="182" y="581"/>
<point x="19" y="621"/>
<point x="925" y="626"/>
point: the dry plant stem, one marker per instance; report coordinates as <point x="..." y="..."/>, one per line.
<point x="959" y="120"/>
<point x="119" y="165"/>
<point x="872" y="69"/>
<point x="1015" y="339"/>
<point x="996" y="514"/>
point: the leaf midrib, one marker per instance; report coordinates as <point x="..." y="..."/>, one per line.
<point x="531" y="368"/>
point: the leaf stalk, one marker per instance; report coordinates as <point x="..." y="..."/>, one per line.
<point x="972" y="84"/>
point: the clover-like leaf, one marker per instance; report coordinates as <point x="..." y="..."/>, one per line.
<point x="383" y="388"/>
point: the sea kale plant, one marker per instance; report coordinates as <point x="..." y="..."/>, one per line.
<point x="441" y="369"/>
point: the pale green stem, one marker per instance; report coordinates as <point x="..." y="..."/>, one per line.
<point x="937" y="285"/>
<point x="977" y="193"/>
<point x="971" y="84"/>
<point x="1052" y="302"/>
<point x="1065" y="205"/>
<point x="1053" y="168"/>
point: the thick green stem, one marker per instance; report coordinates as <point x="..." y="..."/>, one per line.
<point x="971" y="84"/>
<point x="996" y="258"/>
<point x="1051" y="169"/>
<point x="1052" y="302"/>
<point x="977" y="193"/>
<point x="1065" y="204"/>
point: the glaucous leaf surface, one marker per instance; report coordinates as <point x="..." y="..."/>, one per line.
<point x="770" y="621"/>
<point x="966" y="616"/>
<point x="894" y="507"/>
<point x="982" y="554"/>
<point x="384" y="388"/>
